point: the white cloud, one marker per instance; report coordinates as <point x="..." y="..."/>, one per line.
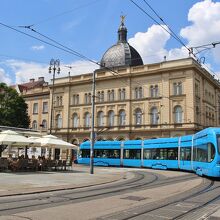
<point x="205" y="28"/>
<point x="204" y="17"/>
<point x="78" y="67"/>
<point x="39" y="47"/>
<point x="4" y="77"/>
<point x="24" y="71"/>
<point x="177" y="53"/>
<point x="151" y="44"/>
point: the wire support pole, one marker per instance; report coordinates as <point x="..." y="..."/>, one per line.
<point x="92" y="127"/>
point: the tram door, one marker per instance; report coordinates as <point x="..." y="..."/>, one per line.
<point x="185" y="158"/>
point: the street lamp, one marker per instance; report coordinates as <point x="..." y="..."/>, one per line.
<point x="93" y="126"/>
<point x="55" y="68"/>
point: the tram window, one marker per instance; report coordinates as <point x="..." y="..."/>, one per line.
<point x="147" y="153"/>
<point x="132" y="154"/>
<point x="85" y="153"/>
<point x="110" y="153"/>
<point x="211" y="152"/>
<point x="163" y="154"/>
<point x="185" y="153"/>
<point x="204" y="152"/>
<point x="80" y="153"/>
<point x="172" y="153"/>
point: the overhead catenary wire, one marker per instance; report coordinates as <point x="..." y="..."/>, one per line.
<point x="64" y="13"/>
<point x="170" y="32"/>
<point x="73" y="52"/>
<point x="162" y="20"/>
<point x="115" y="73"/>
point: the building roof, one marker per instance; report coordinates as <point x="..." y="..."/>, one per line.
<point x="121" y="54"/>
<point x="31" y="84"/>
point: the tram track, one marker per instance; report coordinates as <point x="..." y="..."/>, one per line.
<point x="18" y="203"/>
<point x="141" y="180"/>
<point x="150" y="210"/>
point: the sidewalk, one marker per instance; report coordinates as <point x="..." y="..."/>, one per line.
<point x="16" y="183"/>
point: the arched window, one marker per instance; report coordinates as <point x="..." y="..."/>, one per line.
<point x="109" y="95"/>
<point x="102" y="96"/>
<point x="122" y="116"/>
<point x="75" y="99"/>
<point x="178" y="114"/>
<point x="75" y="120"/>
<point x="111" y="117"/>
<point x="87" y="119"/>
<point x="98" y="96"/>
<point x="154" y="116"/>
<point x="151" y="91"/>
<point x="89" y="98"/>
<point x="86" y="98"/>
<point x="156" y="90"/>
<point x="61" y="101"/>
<point x="58" y="101"/>
<point x="121" y="93"/>
<point x="44" y="124"/>
<point x="34" y="125"/>
<point x="100" y="118"/>
<point x="59" y="121"/>
<point x="138" y="92"/>
<point x="138" y="116"/>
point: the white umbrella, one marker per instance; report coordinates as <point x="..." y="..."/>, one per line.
<point x="13" y="138"/>
<point x="35" y="141"/>
<point x="55" y="142"/>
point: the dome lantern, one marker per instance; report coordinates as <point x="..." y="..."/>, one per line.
<point x="121" y="54"/>
<point x="122" y="31"/>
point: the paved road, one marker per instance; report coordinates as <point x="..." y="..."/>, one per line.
<point x="111" y="193"/>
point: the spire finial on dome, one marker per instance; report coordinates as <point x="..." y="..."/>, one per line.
<point x="122" y="19"/>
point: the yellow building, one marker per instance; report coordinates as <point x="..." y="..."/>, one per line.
<point x="133" y="101"/>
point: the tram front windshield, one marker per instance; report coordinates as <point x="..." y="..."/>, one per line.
<point x="218" y="142"/>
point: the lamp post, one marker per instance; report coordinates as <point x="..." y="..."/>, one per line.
<point x="92" y="127"/>
<point x="55" y="68"/>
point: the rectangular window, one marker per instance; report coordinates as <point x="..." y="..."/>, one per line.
<point x="35" y="108"/>
<point x="177" y="88"/>
<point x="45" y="107"/>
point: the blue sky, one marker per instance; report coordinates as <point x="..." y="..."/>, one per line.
<point x="90" y="27"/>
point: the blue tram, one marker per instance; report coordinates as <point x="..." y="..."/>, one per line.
<point x="199" y="153"/>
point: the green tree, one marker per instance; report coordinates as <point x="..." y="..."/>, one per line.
<point x="13" y="109"/>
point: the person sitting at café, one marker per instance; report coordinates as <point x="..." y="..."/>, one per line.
<point x="16" y="165"/>
<point x="34" y="163"/>
<point x="10" y="161"/>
